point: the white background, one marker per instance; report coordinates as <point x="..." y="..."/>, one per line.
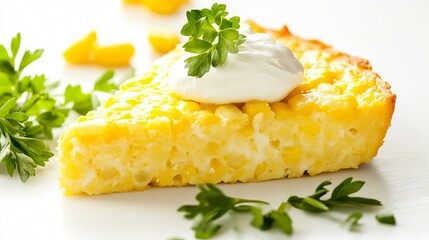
<point x="394" y="35"/>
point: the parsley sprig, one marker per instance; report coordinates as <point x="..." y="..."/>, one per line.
<point x="211" y="36"/>
<point x="29" y="111"/>
<point x="275" y="218"/>
<point x="17" y="150"/>
<point x="340" y="196"/>
<point x="386" y="219"/>
<point x="213" y="204"/>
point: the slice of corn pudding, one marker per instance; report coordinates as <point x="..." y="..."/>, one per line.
<point x="146" y="136"/>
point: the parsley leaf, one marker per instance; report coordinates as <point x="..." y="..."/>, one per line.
<point x="19" y="151"/>
<point x="103" y="83"/>
<point x="28" y="111"/>
<point x="386" y="219"/>
<point x="353" y="220"/>
<point x="203" y="28"/>
<point x="275" y="218"/>
<point x="213" y="204"/>
<point x="340" y="196"/>
<point x="81" y="102"/>
<point x="30" y="57"/>
<point x="198" y="65"/>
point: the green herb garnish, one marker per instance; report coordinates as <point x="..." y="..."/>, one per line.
<point x="340" y="196"/>
<point x="211" y="36"/>
<point x="386" y="219"/>
<point x="213" y="204"/>
<point x="353" y="220"/>
<point x="82" y="102"/>
<point x="29" y="111"/>
<point x="275" y="218"/>
<point x="17" y="150"/>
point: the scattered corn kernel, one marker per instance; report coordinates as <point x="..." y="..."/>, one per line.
<point x="80" y="52"/>
<point x="257" y="28"/>
<point x="163" y="40"/>
<point x="163" y="6"/>
<point x="114" y="55"/>
<point x="87" y="51"/>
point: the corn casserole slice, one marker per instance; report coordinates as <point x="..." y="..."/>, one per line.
<point x="146" y="136"/>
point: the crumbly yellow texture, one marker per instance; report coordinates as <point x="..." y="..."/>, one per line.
<point x="145" y="136"/>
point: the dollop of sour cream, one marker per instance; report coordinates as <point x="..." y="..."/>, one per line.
<point x="262" y="70"/>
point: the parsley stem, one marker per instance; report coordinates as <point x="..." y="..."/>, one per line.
<point x="315" y="203"/>
<point x="283" y="206"/>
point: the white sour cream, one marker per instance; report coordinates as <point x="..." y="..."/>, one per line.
<point x="262" y="70"/>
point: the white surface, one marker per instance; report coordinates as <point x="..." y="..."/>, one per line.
<point x="392" y="34"/>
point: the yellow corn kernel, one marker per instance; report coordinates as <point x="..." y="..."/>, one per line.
<point x="114" y="131"/>
<point x="281" y="110"/>
<point x="311" y="128"/>
<point x="126" y="116"/>
<point x="82" y="119"/>
<point x="88" y="129"/>
<point x="254" y="107"/>
<point x="161" y="124"/>
<point x="164" y="179"/>
<point x="180" y="126"/>
<point x="229" y="113"/>
<point x="114" y="55"/>
<point x="255" y="27"/>
<point x="260" y="168"/>
<point x="108" y="172"/>
<point x="163" y="6"/>
<point x="247" y="130"/>
<point x="178" y="179"/>
<point x="301" y="105"/>
<point x="111" y="102"/>
<point x="291" y="155"/>
<point x="189" y="173"/>
<point x="206" y="117"/>
<point x="137" y="82"/>
<point x="170" y="112"/>
<point x="216" y="165"/>
<point x="163" y="40"/>
<point x="213" y="148"/>
<point x="80" y="52"/>
<point x="71" y="171"/>
<point x="143" y="176"/>
<point x="315" y="77"/>
<point x="191" y="106"/>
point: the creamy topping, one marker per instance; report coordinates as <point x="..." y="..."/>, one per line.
<point x="262" y="70"/>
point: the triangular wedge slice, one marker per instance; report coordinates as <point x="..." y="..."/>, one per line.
<point x="146" y="136"/>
